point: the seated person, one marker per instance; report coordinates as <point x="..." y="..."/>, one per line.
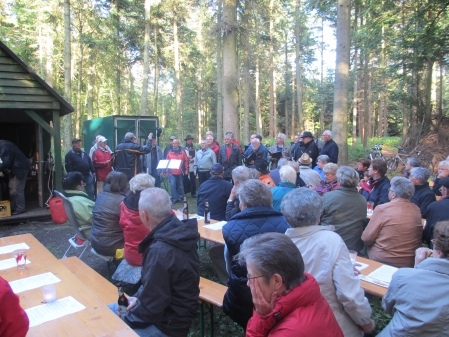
<point x="73" y="186"/>
<point x="376" y="188"/>
<point x="13" y="319"/>
<point x="287" y="301"/>
<point x="216" y="190"/>
<point x="320" y="162"/>
<point x="362" y="166"/>
<point x="443" y="172"/>
<point x="274" y="173"/>
<point x="423" y="196"/>
<point x="264" y="174"/>
<point x="295" y="165"/>
<point x="327" y="259"/>
<point x="411" y="163"/>
<point x="257" y="216"/>
<point x="436" y="212"/>
<point x="311" y="178"/>
<point x="106" y="234"/>
<point x="133" y="229"/>
<point x="395" y="229"/>
<point x="417" y="297"/>
<point x="288" y="180"/>
<point x="239" y="175"/>
<point x="345" y="209"/>
<point x="330" y="183"/>
<point x="167" y="301"/>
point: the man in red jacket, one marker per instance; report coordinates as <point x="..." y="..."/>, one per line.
<point x="13" y="319"/>
<point x="176" y="175"/>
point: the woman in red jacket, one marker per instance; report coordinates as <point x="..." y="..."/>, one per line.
<point x="13" y="319"/>
<point x="287" y="301"/>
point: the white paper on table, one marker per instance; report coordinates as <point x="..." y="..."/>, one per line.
<point x="9" y="263"/>
<point x="162" y="165"/>
<point x="381" y="276"/>
<point x="216" y="226"/>
<point x="174" y="164"/>
<point x="50" y="311"/>
<point x="360" y="266"/>
<point x="12" y="248"/>
<point x="33" y="282"/>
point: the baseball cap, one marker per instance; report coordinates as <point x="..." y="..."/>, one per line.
<point x="102" y="139"/>
<point x="129" y="136"/>
<point x="75" y="140"/>
<point x="216" y="169"/>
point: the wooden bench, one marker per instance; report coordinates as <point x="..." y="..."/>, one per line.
<point x="212" y="294"/>
<point x="104" y="289"/>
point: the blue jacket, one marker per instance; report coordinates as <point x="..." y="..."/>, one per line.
<point x="279" y="193"/>
<point x="423" y="197"/>
<point x="78" y="161"/>
<point x="251" y="221"/>
<point x="379" y="193"/>
<point x="216" y="190"/>
<point x="331" y="150"/>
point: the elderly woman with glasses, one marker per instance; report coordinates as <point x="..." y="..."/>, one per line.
<point x="320" y="162"/>
<point x="287" y="301"/>
<point x="330" y="181"/>
<point x="395" y="229"/>
<point x="327" y="259"/>
<point x="443" y="172"/>
<point x="417" y="297"/>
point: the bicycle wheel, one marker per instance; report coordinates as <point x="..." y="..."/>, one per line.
<point x="428" y="164"/>
<point x="392" y="164"/>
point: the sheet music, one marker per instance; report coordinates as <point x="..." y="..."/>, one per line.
<point x="162" y="165"/>
<point x="12" y="248"/>
<point x="54" y="310"/>
<point x="33" y="282"/>
<point x="9" y="263"/>
<point x="216" y="226"/>
<point x="174" y="164"/>
<point x="381" y="276"/>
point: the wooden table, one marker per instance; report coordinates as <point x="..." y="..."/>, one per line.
<point x="96" y="320"/>
<point x="215" y="236"/>
<point x="371" y="288"/>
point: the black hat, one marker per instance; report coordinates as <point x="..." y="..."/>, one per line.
<point x="259" y="137"/>
<point x="445" y="182"/>
<point x="217" y="169"/>
<point x="307" y="134"/>
<point x="189" y="137"/>
<point x="75" y="140"/>
<point x="261" y="166"/>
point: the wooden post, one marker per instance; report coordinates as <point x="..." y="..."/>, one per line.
<point x="57" y="142"/>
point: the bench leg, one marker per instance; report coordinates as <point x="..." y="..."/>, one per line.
<point x="211" y="315"/>
<point x="201" y="319"/>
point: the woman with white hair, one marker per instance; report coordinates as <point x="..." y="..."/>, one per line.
<point x="327" y="259"/>
<point x="288" y="180"/>
<point x="320" y="162"/>
<point x="395" y="229"/>
<point x="330" y="181"/>
<point x="133" y="229"/>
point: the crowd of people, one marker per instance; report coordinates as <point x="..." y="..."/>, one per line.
<point x="292" y="216"/>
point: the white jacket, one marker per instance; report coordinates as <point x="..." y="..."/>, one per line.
<point x="326" y="257"/>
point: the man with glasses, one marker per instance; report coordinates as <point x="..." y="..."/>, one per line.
<point x="330" y="148"/>
<point x="280" y="146"/>
<point x="443" y="172"/>
<point x="437" y="211"/>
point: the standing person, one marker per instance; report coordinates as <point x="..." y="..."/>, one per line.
<point x="213" y="145"/>
<point x="330" y="148"/>
<point x="210" y="133"/>
<point x="255" y="151"/>
<point x="167" y="301"/>
<point x="280" y="146"/>
<point x="12" y="159"/>
<point x="234" y="140"/>
<point x="102" y="159"/>
<point x="204" y="160"/>
<point x="190" y="177"/>
<point x="76" y="160"/>
<point x="307" y="146"/>
<point x="176" y="175"/>
<point x="128" y="152"/>
<point x="95" y="147"/>
<point x="169" y="146"/>
<point x="152" y="160"/>
<point x="229" y="156"/>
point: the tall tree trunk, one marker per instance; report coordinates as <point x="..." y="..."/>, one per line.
<point x="230" y="70"/>
<point x="259" y="128"/>
<point x="271" y="51"/>
<point x="219" y="74"/>
<point x="370" y="103"/>
<point x="299" y="89"/>
<point x="49" y="59"/>
<point x="78" y="108"/>
<point x="200" y="107"/>
<point x="179" y="126"/>
<point x="90" y="85"/>
<point x="321" y="78"/>
<point x="146" y="60"/>
<point x="156" y="71"/>
<point x="67" y="121"/>
<point x="340" y="115"/>
<point x="428" y="91"/>
<point x="275" y="122"/>
<point x="365" y="99"/>
<point x="286" y="91"/>
<point x="293" y="105"/>
<point x="117" y="87"/>
<point x="354" y="101"/>
<point x="246" y="74"/>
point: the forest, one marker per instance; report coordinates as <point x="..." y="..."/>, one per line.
<point x="249" y="66"/>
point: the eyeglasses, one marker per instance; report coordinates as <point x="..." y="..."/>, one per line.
<point x="252" y="278"/>
<point x="390" y="190"/>
<point x="441" y="189"/>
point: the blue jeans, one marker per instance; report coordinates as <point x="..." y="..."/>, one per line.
<point x="177" y="187"/>
<point x="90" y="188"/>
<point x="150" y="331"/>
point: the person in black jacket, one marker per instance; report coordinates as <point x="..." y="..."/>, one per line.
<point x="377" y="187"/>
<point x="330" y="148"/>
<point x="13" y="160"/>
<point x="436" y="212"/>
<point x="76" y="160"/>
<point x="423" y="196"/>
<point x="443" y="172"/>
<point x="128" y="152"/>
<point x="167" y="301"/>
<point x="229" y="156"/>
<point x="306" y="146"/>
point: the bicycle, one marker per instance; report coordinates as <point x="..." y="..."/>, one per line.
<point x="376" y="152"/>
<point x="400" y="160"/>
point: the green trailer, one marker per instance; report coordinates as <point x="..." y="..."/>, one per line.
<point x="114" y="129"/>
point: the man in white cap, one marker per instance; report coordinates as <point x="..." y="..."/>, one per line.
<point x="95" y="147"/>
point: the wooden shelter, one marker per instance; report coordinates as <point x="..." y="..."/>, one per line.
<point x="27" y="106"/>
